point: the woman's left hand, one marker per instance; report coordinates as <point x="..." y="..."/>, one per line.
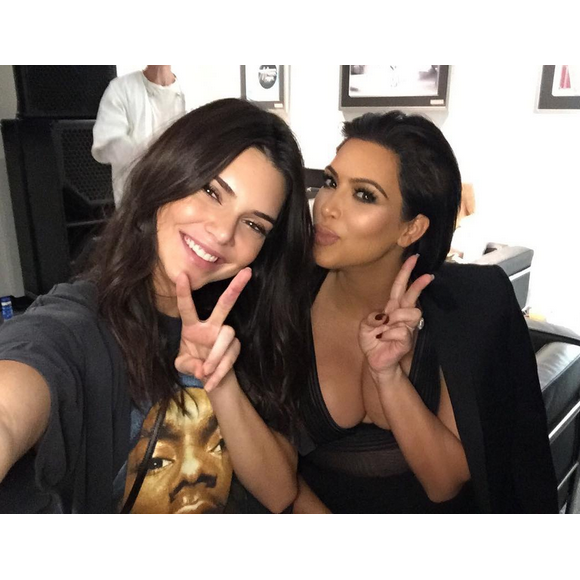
<point x="208" y="348"/>
<point x="386" y="337"/>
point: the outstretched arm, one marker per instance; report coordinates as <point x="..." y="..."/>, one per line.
<point x="24" y="411"/>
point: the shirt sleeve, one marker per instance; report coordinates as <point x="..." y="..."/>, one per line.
<point x="113" y="141"/>
<point x="49" y="341"/>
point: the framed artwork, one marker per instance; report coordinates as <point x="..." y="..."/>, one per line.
<point x="393" y="85"/>
<point x="263" y="84"/>
<point x="560" y="87"/>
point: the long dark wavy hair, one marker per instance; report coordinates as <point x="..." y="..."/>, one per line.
<point x="269" y="315"/>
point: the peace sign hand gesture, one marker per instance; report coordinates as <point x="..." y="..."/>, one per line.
<point x="208" y="348"/>
<point x="386" y="337"/>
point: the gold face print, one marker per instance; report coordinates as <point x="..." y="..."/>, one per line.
<point x="190" y="470"/>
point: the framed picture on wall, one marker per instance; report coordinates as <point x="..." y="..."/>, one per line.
<point x="263" y="84"/>
<point x="394" y="85"/>
<point x="560" y="87"/>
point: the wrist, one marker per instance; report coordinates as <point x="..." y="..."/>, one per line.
<point x="227" y="386"/>
<point x="387" y="378"/>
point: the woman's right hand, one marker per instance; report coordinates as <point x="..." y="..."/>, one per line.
<point x="386" y="337"/>
<point x="209" y="348"/>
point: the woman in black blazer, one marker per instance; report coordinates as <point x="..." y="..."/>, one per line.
<point x="423" y="393"/>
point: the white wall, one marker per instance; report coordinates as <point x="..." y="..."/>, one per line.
<point x="10" y="272"/>
<point x="523" y="163"/>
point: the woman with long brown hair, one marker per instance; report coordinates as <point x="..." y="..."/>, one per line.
<point x="101" y="408"/>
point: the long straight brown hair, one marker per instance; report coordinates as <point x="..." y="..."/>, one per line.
<point x="269" y="318"/>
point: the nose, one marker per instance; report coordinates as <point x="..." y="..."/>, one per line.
<point x="191" y="465"/>
<point x="329" y="203"/>
<point x="222" y="228"/>
<point x="192" y="473"/>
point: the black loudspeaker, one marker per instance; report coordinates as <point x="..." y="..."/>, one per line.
<point x="67" y="91"/>
<point x="61" y="197"/>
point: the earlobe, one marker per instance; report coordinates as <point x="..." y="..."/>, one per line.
<point x="414" y="230"/>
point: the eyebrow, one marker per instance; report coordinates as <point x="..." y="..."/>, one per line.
<point x="331" y="169"/>
<point x="209" y="428"/>
<point x="166" y="431"/>
<point x="170" y="432"/>
<point x="225" y="185"/>
<point x="229" y="190"/>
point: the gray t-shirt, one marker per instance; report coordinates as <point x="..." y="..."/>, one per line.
<point x="95" y="442"/>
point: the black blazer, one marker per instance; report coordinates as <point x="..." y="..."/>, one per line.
<point x="486" y="355"/>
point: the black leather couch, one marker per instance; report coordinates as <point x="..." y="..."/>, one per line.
<point x="516" y="262"/>
<point x="558" y="356"/>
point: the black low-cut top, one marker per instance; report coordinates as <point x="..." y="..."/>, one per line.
<point x="361" y="469"/>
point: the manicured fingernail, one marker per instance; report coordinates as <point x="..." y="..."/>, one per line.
<point x="432" y="276"/>
<point x="417" y="255"/>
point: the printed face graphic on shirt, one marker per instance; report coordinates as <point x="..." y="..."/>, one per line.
<point x="190" y="470"/>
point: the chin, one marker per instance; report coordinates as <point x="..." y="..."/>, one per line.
<point x="340" y="263"/>
<point x="198" y="280"/>
<point x="324" y="259"/>
<point x="328" y="265"/>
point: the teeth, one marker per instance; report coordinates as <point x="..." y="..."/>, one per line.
<point x="199" y="251"/>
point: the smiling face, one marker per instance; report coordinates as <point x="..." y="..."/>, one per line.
<point x="215" y="232"/>
<point x="357" y="212"/>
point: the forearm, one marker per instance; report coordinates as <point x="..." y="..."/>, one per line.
<point x="263" y="460"/>
<point x="8" y="450"/>
<point x="113" y="135"/>
<point x="307" y="502"/>
<point x="434" y="453"/>
<point x="120" y="150"/>
<point x="24" y="411"/>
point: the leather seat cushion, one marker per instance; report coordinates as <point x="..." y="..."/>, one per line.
<point x="559" y="373"/>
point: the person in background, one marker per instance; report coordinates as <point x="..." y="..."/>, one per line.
<point x="99" y="366"/>
<point x="423" y="394"/>
<point x="135" y="108"/>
